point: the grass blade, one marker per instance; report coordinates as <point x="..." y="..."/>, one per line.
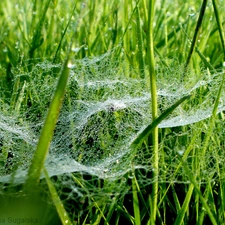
<point x="146" y="132"/>
<point x="220" y="26"/>
<point x="41" y="152"/>
<point x="203" y="200"/>
<point x="140" y="45"/>
<point x="197" y="28"/>
<point x="37" y="39"/>
<point x="180" y="216"/>
<point x="154" y="104"/>
<point x="63" y="35"/>
<point x="136" y="207"/>
<point x="57" y="201"/>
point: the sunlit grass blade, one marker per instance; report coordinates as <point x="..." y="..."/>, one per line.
<point x="57" y="201"/>
<point x="41" y="152"/>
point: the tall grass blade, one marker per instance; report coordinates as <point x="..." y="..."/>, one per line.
<point x="220" y="26"/>
<point x="37" y="39"/>
<point x="140" y="45"/>
<point x="197" y="28"/>
<point x="41" y="152"/>
<point x="63" y="35"/>
<point x="154" y="104"/>
<point x="184" y="208"/>
<point x="201" y="55"/>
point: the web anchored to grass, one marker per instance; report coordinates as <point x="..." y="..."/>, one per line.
<point x="106" y="106"/>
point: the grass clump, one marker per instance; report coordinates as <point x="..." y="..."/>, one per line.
<point x="112" y="112"/>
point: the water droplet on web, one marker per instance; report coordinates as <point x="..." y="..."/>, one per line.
<point x="70" y="65"/>
<point x="168" y="14"/>
<point x="180" y="150"/>
<point x="75" y="49"/>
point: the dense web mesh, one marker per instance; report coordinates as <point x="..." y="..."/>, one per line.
<point x="105" y="107"/>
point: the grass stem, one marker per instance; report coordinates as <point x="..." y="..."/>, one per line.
<point x="154" y="106"/>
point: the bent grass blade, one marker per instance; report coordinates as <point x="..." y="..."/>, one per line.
<point x="148" y="129"/>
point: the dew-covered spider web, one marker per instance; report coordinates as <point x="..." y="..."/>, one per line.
<point x="105" y="107"/>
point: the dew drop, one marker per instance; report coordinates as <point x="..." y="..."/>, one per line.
<point x="70" y="65"/>
<point x="76" y="49"/>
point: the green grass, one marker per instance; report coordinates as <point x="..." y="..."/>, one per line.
<point x="115" y="110"/>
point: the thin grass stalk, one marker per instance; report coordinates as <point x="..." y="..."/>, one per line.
<point x="136" y="207"/>
<point x="63" y="35"/>
<point x="203" y="200"/>
<point x="193" y="43"/>
<point x="163" y="41"/>
<point x="154" y="106"/>
<point x="184" y="208"/>
<point x="176" y="199"/>
<point x="126" y="23"/>
<point x="141" y="197"/>
<point x="212" y="119"/>
<point x="57" y="201"/>
<point x="200" y="218"/>
<point x="140" y="45"/>
<point x="144" y="8"/>
<point x="219" y="23"/>
<point x="101" y="215"/>
<point x="37" y="39"/>
<point x="201" y="55"/>
<point x="111" y="210"/>
<point x="221" y="210"/>
<point x="41" y="152"/>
